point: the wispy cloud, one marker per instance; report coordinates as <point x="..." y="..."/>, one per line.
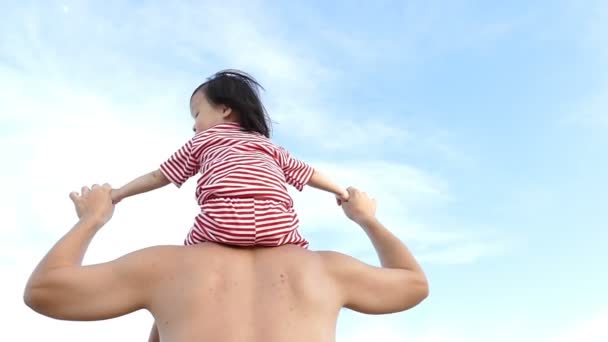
<point x="126" y="52"/>
<point x="593" y="328"/>
<point x="96" y="92"/>
<point x="463" y="253"/>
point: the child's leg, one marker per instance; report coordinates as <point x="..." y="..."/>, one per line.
<point x="197" y="234"/>
<point x="294" y="238"/>
<point x="284" y="227"/>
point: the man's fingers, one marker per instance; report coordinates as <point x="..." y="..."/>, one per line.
<point x="74" y="195"/>
<point x="105" y="186"/>
<point x="85" y="190"/>
<point x="356" y="192"/>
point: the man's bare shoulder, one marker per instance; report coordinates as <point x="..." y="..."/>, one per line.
<point x="170" y="258"/>
<point x="161" y="254"/>
<point x="336" y="260"/>
<point x="155" y="252"/>
<point x="151" y="260"/>
<point x="213" y="252"/>
<point x="163" y="265"/>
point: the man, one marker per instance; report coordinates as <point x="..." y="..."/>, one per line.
<point x="209" y="292"/>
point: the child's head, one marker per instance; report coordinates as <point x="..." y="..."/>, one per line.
<point x="229" y="96"/>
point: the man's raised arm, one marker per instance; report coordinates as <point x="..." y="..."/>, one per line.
<point x="60" y="287"/>
<point x="398" y="285"/>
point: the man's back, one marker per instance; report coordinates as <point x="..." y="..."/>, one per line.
<point x="209" y="292"/>
<point x="214" y="293"/>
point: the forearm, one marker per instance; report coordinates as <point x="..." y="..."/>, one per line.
<point x="148" y="182"/>
<point x="69" y="250"/>
<point x="391" y="251"/>
<point x="321" y="182"/>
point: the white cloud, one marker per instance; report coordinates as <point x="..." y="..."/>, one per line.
<point x="83" y="104"/>
<point x="463" y="253"/>
<point x="156" y="54"/>
<point x="593" y="328"/>
<point x="114" y="140"/>
<point x="401" y="191"/>
<point x="357" y="327"/>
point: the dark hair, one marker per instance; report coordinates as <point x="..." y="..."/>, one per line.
<point x="240" y="92"/>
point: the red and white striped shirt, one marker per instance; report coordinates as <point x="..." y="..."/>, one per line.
<point x="238" y="165"/>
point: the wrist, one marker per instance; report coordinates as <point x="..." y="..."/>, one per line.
<point x="91" y="222"/>
<point x="340" y="193"/>
<point x="120" y="194"/>
<point x="368" y="222"/>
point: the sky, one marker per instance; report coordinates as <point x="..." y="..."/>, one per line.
<point x="481" y="128"/>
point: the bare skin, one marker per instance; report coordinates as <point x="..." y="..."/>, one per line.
<point x="209" y="292"/>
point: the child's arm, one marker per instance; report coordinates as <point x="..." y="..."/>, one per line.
<point x="148" y="182"/>
<point x="321" y="182"/>
<point x="182" y="165"/>
<point x="298" y="173"/>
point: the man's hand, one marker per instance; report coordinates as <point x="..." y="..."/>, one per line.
<point x="94" y="204"/>
<point x="342" y="197"/>
<point x="359" y="207"/>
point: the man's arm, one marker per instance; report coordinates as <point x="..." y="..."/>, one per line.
<point x="60" y="287"/>
<point x="398" y="285"/>
<point x="154" y="337"/>
<point x="148" y="182"/>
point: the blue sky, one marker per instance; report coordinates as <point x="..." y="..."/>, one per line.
<point x="480" y="127"/>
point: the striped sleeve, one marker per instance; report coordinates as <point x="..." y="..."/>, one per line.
<point x="183" y="164"/>
<point x="297" y="173"/>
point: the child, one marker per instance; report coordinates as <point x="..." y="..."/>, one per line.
<point x="242" y="189"/>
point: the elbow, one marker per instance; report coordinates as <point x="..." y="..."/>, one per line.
<point x="38" y="299"/>
<point x="424" y="288"/>
<point x="418" y="291"/>
<point x="159" y="178"/>
<point x="32" y="298"/>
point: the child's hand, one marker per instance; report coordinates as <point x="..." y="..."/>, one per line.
<point x="115" y="194"/>
<point x="342" y="197"/>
